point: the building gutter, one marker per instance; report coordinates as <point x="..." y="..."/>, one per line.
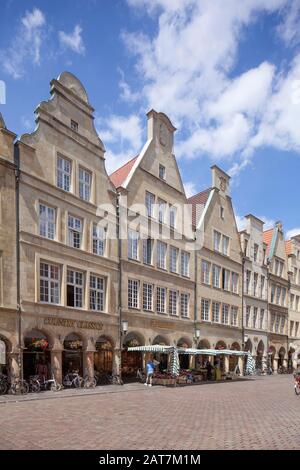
<point x="19" y="310"/>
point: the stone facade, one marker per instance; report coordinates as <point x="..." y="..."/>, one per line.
<point x="255" y="290"/>
<point x="82" y="254"/>
<point x="293" y="253"/>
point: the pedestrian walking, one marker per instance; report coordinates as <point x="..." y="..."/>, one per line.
<point x="150" y="371"/>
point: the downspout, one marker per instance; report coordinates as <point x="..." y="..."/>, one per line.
<point x="120" y="283"/>
<point x="17" y="194"/>
<point x="243" y="293"/>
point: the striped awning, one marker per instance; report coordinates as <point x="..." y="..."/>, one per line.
<point x="193" y="351"/>
<point x="250" y="366"/>
<point x="152" y="348"/>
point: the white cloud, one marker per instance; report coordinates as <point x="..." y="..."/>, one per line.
<point x="73" y="40"/>
<point x="289" y="30"/>
<point x="124" y="136"/>
<point x="186" y="69"/>
<point x="292" y="233"/>
<point x="242" y="222"/>
<point x="190" y="188"/>
<point x="26" y="45"/>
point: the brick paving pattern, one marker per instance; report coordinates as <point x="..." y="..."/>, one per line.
<point x="263" y="413"/>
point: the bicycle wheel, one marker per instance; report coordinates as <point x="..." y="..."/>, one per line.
<point x="24" y="387"/>
<point x="297" y="389"/>
<point x="78" y="382"/>
<point x="55" y="387"/>
<point x="34" y="386"/>
<point x="3" y="388"/>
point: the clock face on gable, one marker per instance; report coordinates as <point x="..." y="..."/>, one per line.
<point x="163" y="134"/>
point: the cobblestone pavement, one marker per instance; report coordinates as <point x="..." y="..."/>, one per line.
<point x="259" y="414"/>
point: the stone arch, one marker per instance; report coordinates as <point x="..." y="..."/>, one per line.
<point x="36" y="352"/>
<point x="220" y="345"/>
<point x="160" y="339"/>
<point x="233" y="360"/>
<point x="103" y="356"/>
<point x="38" y="333"/>
<point x="72" y="355"/>
<point x="249" y="345"/>
<point x="184" y="342"/>
<point x="133" y="337"/>
<point x="235" y="346"/>
<point x="281" y="356"/>
<point x="204" y="344"/>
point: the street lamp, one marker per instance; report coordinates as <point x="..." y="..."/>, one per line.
<point x="124" y="327"/>
<point x="197" y="333"/>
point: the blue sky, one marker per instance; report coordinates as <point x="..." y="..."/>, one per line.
<point x="226" y="72"/>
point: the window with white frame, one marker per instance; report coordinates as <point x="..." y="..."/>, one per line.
<point x="97" y="291"/>
<point x="149" y="202"/>
<point x="283" y="296"/>
<point x="262" y="287"/>
<point x="162" y="172"/>
<point x="74" y="125"/>
<point x="248" y="315"/>
<point x="205" y="272"/>
<point x="147" y="250"/>
<point x="173" y="216"/>
<point x="75" y="288"/>
<point x="184" y="304"/>
<point x="47" y="221"/>
<point x="292" y="301"/>
<point x="133" y="293"/>
<point x="272" y="293"/>
<point x="49" y="283"/>
<point x="147" y="296"/>
<point x="98" y="240"/>
<point x="205" y="303"/>
<point x="297" y="303"/>
<point x="296" y="328"/>
<point x="272" y="322"/>
<point x="225" y="279"/>
<point x="255" y="282"/>
<point x="225" y="245"/>
<point x="63" y="173"/>
<point x="133" y="244"/>
<point x="75" y="231"/>
<point x="277" y="323"/>
<point x="235" y="283"/>
<point x="85" y="178"/>
<point x="282" y="325"/>
<point x="161" y="295"/>
<point x="254" y="318"/>
<point x="217" y="240"/>
<point x="216" y="312"/>
<point x="173" y="259"/>
<point x="216" y="271"/>
<point x="278" y="294"/>
<point x="173" y="302"/>
<point x="162" y="208"/>
<point x="185" y="264"/>
<point x="255" y="252"/>
<point x="161" y="254"/>
<point x="291" y="328"/>
<point x="262" y="318"/>
<point x="248" y="280"/>
<point x="234" y="316"/>
<point x="225" y="314"/>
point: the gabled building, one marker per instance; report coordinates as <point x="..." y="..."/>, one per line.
<point x="157" y="262"/>
<point x="292" y="248"/>
<point x="219" y="268"/>
<point x="9" y="312"/>
<point x="278" y="289"/>
<point x="255" y="290"/>
<point x="68" y="264"/>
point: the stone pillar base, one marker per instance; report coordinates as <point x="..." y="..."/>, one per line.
<point x="56" y="365"/>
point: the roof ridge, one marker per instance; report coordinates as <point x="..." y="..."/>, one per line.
<point x="124" y="164"/>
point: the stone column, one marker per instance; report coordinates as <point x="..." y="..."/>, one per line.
<point x="13" y="364"/>
<point x="226" y="362"/>
<point x="88" y="363"/>
<point x="241" y="364"/>
<point x="56" y="364"/>
<point x="275" y="364"/>
<point x="116" y="365"/>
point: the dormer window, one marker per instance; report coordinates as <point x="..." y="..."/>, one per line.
<point x="162" y="172"/>
<point x="74" y="125"/>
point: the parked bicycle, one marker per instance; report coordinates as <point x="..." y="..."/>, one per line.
<point x="38" y="384"/>
<point x="4" y="384"/>
<point x="18" y="386"/>
<point x="140" y="375"/>
<point x="89" y="382"/>
<point x="73" y="379"/>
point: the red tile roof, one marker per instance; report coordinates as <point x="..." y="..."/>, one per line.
<point x="267" y="237"/>
<point x="288" y="247"/>
<point x="196" y="200"/>
<point x="119" y="176"/>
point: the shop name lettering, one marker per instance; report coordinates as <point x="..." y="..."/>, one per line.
<point x="89" y="325"/>
<point x="149" y="459"/>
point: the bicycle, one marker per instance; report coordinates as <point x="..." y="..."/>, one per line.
<point x="18" y="386"/>
<point x="140" y="375"/>
<point x="115" y="379"/>
<point x="89" y="382"/>
<point x="4" y="384"/>
<point x="73" y="379"/>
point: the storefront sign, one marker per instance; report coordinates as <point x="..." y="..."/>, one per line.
<point x="68" y="323"/>
<point x="159" y="324"/>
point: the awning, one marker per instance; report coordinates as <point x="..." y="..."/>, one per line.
<point x="212" y="352"/>
<point x="152" y="348"/>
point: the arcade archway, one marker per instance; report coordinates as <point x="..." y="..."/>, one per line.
<point x="72" y="358"/>
<point x="131" y="361"/>
<point x="36" y="355"/>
